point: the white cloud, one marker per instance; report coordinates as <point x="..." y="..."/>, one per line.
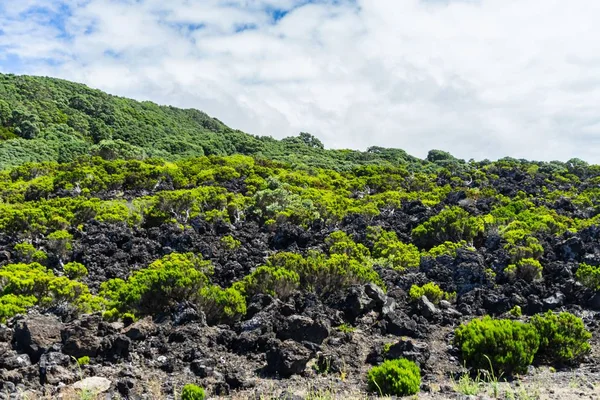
<point x="481" y="79"/>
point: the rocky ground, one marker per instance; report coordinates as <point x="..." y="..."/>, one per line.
<point x="306" y="347"/>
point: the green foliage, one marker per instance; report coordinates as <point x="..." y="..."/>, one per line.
<point x="230" y="243"/>
<point x="504" y="345"/>
<point x="432" y="291"/>
<point x="345" y="328"/>
<point x="452" y="224"/>
<point x="222" y="305"/>
<point x="446" y="248"/>
<point x="516" y="311"/>
<point x="25" y="285"/>
<point x="27" y="253"/>
<point x="192" y="392"/>
<point x="564" y="339"/>
<point x="324" y="274"/>
<point x="397" y="254"/>
<point x="527" y="269"/>
<point x="85" y="360"/>
<point x="275" y="281"/>
<point x="589" y="276"/>
<point x="75" y="270"/>
<point x="166" y="282"/>
<point x="395" y="377"/>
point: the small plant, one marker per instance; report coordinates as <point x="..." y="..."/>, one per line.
<point x="501" y="345"/>
<point x="192" y="392"/>
<point x="527" y="269"/>
<point x="432" y="291"/>
<point x="516" y="311"/>
<point x="395" y="377"/>
<point x="589" y="276"/>
<point x="564" y="339"/>
<point x="230" y="243"/>
<point x="345" y="328"/>
<point x="85" y="360"/>
<point x="75" y="270"/>
<point x="467" y="385"/>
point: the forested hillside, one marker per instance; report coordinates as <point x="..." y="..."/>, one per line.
<point x="45" y="119"/>
<point x="154" y="247"/>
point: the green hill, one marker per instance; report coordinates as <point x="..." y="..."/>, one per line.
<point x="46" y="119"/>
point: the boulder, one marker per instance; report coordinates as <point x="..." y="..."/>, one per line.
<point x="303" y="329"/>
<point x="94" y="384"/>
<point x="35" y="334"/>
<point x="287" y="358"/>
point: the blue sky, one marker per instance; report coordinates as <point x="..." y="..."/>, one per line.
<point x="479" y="78"/>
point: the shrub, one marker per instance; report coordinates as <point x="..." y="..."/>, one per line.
<point x="395" y="377"/>
<point x="527" y="269"/>
<point x="589" y="276"/>
<point x="230" y="243"/>
<point x="85" y="360"/>
<point x="432" y="291"/>
<point x="28" y="253"/>
<point x="452" y="224"/>
<point x="75" y="270"/>
<point x="398" y="254"/>
<point x="509" y="345"/>
<point x="192" y="392"/>
<point x="11" y="305"/>
<point x="275" y="281"/>
<point x="516" y="311"/>
<point x="221" y="305"/>
<point x="166" y="282"/>
<point x="563" y="337"/>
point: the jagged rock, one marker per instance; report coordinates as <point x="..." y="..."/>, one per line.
<point x="141" y="329"/>
<point x="303" y="329"/>
<point x="94" y="384"/>
<point x="115" y="347"/>
<point x="80" y="338"/>
<point x="400" y="325"/>
<point x="409" y="349"/>
<point x="554" y="301"/>
<point x="10" y="359"/>
<point x="287" y="358"/>
<point x="375" y="293"/>
<point x="427" y="308"/>
<point x="35" y="334"/>
<point x="357" y="302"/>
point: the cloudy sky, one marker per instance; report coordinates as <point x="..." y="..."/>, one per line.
<point x="479" y="78"/>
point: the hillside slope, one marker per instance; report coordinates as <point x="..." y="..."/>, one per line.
<point x="40" y="116"/>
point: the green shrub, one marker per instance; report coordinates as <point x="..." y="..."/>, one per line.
<point x="11" y="305"/>
<point x="75" y="270"/>
<point x="432" y="291"/>
<point x="27" y="253"/>
<point x="589" y="276"/>
<point x="509" y="345"/>
<point x="388" y="247"/>
<point x="446" y="248"/>
<point x="516" y="311"/>
<point x="85" y="360"/>
<point x="192" y="392"/>
<point x="527" y="269"/>
<point x="230" y="243"/>
<point x="166" y="282"/>
<point x="275" y="281"/>
<point x="395" y="377"/>
<point x="221" y="305"/>
<point x="452" y="224"/>
<point x="563" y="337"/>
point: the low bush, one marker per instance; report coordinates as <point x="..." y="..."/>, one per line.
<point x="432" y="291"/>
<point x="399" y="377"/>
<point x="563" y="338"/>
<point x="589" y="276"/>
<point x="221" y="305"/>
<point x="504" y="345"/>
<point x="274" y="281"/>
<point x="527" y="269"/>
<point x="192" y="392"/>
<point x="75" y="270"/>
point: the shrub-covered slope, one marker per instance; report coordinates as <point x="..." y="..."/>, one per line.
<point x="226" y="271"/>
<point x="46" y="119"/>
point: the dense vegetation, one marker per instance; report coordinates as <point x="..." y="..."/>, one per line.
<point x="133" y="210"/>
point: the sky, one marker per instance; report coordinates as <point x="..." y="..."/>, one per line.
<point x="478" y="78"/>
